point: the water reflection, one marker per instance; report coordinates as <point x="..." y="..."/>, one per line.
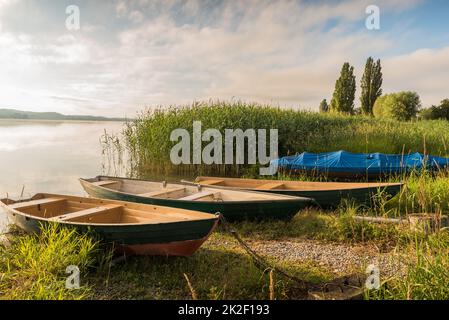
<point x="49" y="156"/>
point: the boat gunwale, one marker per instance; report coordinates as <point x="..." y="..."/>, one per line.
<point x="6" y="207"/>
<point x="279" y="197"/>
<point x="358" y="185"/>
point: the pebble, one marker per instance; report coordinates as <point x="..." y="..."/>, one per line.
<point x="341" y="259"/>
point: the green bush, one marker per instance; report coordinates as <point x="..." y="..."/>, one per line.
<point x="402" y="106"/>
<point x="436" y="112"/>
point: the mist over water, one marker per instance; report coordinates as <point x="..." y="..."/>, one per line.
<point x="49" y="156"/>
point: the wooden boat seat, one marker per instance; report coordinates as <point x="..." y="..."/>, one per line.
<point x="211" y="181"/>
<point x="104" y="183"/>
<point x="33" y="203"/>
<point x="270" y="185"/>
<point x="86" y="212"/>
<point x="199" y="195"/>
<point x="162" y="192"/>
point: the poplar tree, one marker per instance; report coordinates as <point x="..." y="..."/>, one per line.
<point x="371" y="85"/>
<point x="344" y="93"/>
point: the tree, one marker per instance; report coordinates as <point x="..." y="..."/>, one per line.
<point x="344" y="93"/>
<point x="437" y="112"/>
<point x="324" y="107"/>
<point x="371" y="85"/>
<point x="400" y="106"/>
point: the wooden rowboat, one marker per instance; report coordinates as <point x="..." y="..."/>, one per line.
<point x="326" y="194"/>
<point x="133" y="228"/>
<point x="231" y="204"/>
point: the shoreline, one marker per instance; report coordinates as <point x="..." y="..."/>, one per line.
<point x="61" y="120"/>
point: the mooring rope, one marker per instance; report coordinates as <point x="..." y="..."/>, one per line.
<point x="262" y="262"/>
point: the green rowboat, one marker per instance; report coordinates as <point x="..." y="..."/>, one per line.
<point x="132" y="228"/>
<point x="232" y="204"/>
<point x="325" y="194"/>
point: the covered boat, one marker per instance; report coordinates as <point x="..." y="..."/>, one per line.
<point x="232" y="204"/>
<point x="346" y="164"/>
<point x="132" y="228"/>
<point x="325" y="194"/>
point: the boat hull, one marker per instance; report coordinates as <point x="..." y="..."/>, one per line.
<point x="167" y="239"/>
<point x="328" y="199"/>
<point x="325" y="194"/>
<point x="231" y="210"/>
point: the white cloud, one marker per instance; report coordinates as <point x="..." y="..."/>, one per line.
<point x="169" y="52"/>
<point x="136" y="16"/>
<point x="425" y="71"/>
<point x="121" y="8"/>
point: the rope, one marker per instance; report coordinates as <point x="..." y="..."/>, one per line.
<point x="262" y="262"/>
<point x="305" y="286"/>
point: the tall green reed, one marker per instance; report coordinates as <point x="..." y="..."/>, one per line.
<point x="147" y="138"/>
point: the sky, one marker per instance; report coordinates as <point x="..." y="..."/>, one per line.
<point x="130" y="54"/>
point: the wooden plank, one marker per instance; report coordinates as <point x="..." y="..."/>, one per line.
<point x="198" y="196"/>
<point x="270" y="185"/>
<point x="104" y="183"/>
<point x="86" y="212"/>
<point x="211" y="181"/>
<point x="33" y="203"/>
<point x="161" y="192"/>
<point x="380" y="220"/>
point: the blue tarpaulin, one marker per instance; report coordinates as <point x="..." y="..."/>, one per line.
<point x="360" y="163"/>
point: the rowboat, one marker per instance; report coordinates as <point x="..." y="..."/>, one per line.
<point x="232" y="204"/>
<point x="325" y="194"/>
<point x="132" y="228"/>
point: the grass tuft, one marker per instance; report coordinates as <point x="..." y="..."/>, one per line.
<point x="34" y="266"/>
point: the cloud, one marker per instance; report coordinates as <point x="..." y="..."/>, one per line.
<point x="121" y="9"/>
<point x="266" y="57"/>
<point x="424" y="71"/>
<point x="168" y="52"/>
<point x="136" y="16"/>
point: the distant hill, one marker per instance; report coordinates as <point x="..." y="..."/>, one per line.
<point x="29" y="115"/>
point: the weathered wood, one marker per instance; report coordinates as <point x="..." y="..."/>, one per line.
<point x="270" y="185"/>
<point x="165" y="192"/>
<point x="33" y="203"/>
<point x="86" y="212"/>
<point x="199" y="195"/>
<point x="381" y="220"/>
<point x="213" y="181"/>
<point x="292" y="185"/>
<point x="428" y="222"/>
<point x="105" y="182"/>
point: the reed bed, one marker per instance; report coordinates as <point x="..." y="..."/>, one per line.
<point x="147" y="138"/>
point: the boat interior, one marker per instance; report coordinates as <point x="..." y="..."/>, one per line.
<point x="261" y="185"/>
<point x="183" y="192"/>
<point x="96" y="211"/>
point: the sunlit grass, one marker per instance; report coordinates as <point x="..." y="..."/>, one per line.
<point x="34" y="266"/>
<point x="426" y="277"/>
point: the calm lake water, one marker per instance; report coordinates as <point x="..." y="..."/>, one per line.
<point x="49" y="156"/>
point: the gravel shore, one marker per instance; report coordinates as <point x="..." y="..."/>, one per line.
<point x="338" y="258"/>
